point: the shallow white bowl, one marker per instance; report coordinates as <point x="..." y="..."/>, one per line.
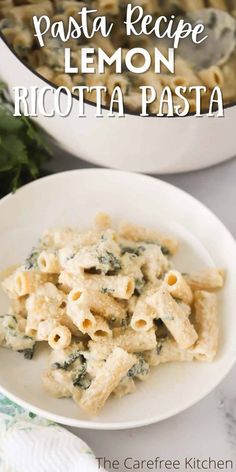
<point x="72" y="198"/>
<point x="150" y="145"/>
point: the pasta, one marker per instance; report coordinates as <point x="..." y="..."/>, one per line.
<point x="143" y="316"/>
<point x="178" y="287"/>
<point x="207" y="279"/>
<point x="82" y="318"/>
<point x="101" y="329"/>
<point x="48" y="263"/>
<point x="173" y="316"/>
<point x="108" y="378"/>
<point x="59" y="337"/>
<point x="167" y="351"/>
<point x="49" y="61"/>
<point x="110" y="305"/>
<point x="99" y="303"/>
<point x="206" y="326"/>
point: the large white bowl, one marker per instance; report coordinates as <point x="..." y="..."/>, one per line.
<point x="72" y="198"/>
<point x="152" y="145"/>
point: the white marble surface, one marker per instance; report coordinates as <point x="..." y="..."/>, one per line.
<point x="209" y="428"/>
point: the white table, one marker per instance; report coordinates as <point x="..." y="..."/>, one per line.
<point x="209" y="428"/>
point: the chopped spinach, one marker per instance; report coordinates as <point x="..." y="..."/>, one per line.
<point x="110" y="260"/>
<point x="159" y="347"/>
<point x="140" y="368"/>
<point x="139" y="285"/>
<point x="31" y="261"/>
<point x="81" y="378"/>
<point x="213" y="21"/>
<point x="160" y="343"/>
<point x="14" y="337"/>
<point x="158" y="322"/>
<point x="92" y="270"/>
<point x="28" y="353"/>
<point x="107" y="290"/>
<point x="137" y="251"/>
<point x="71" y="256"/>
<point x="10" y="316"/>
<point x="126" y="321"/>
<point x="70" y="360"/>
<point x="82" y="382"/>
<point x="165" y="251"/>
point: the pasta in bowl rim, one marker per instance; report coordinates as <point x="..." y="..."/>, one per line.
<point x="128" y="112"/>
<point x="101" y="174"/>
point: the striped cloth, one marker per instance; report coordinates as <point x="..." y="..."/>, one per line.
<point x="29" y="443"/>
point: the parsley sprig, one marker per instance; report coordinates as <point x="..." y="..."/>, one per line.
<point x="23" y="147"/>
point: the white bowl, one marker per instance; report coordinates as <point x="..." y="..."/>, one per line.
<point x="153" y="145"/>
<point x="73" y="198"/>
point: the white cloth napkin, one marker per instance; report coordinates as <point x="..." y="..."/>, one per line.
<point x="29" y="443"/>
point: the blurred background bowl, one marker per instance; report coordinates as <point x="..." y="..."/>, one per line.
<point x="151" y="145"/>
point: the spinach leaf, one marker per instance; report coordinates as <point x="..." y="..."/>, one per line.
<point x="81" y="378"/>
<point x="28" y="353"/>
<point x="165" y="251"/>
<point x="70" y="360"/>
<point x="140" y="368"/>
<point x="109" y="259"/>
<point x="136" y="251"/>
<point x="31" y="261"/>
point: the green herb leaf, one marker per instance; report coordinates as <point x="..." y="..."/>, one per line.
<point x="23" y="147"/>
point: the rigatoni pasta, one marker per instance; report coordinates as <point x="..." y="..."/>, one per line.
<point x="59" y="337"/>
<point x="168" y="351"/>
<point x="108" y="378"/>
<point x="178" y="287"/>
<point x="111" y="305"/>
<point x="207" y="326"/>
<point x="174" y="317"/>
<point x="206" y="279"/>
